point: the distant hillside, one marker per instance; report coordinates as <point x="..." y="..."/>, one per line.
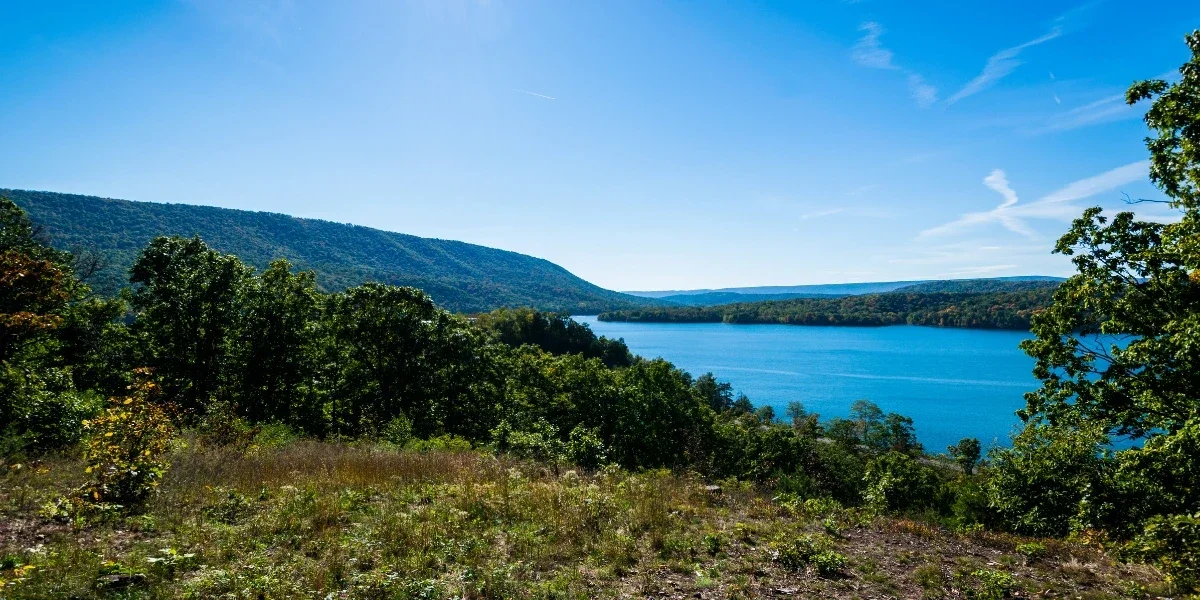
<point x="983" y="286"/>
<point x="783" y="292"/>
<point x="459" y="276"/>
<point x="822" y="289"/>
<point x="717" y="298"/>
<point x="993" y="310"/>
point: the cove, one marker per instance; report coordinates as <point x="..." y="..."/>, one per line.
<point x="954" y="383"/>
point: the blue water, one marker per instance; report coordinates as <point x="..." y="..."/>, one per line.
<point x="954" y="383"/>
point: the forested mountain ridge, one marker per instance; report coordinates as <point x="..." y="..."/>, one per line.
<point x="983" y="286"/>
<point x="707" y="297"/>
<point x="718" y="298"/>
<point x="838" y="289"/>
<point x="996" y="310"/>
<point x="459" y="276"/>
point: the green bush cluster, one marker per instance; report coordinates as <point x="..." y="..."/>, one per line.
<point x="816" y="551"/>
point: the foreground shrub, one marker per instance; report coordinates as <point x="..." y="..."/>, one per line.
<point x="989" y="585"/>
<point x="586" y="449"/>
<point x="896" y="482"/>
<point x="816" y="551"/>
<point x="1173" y="543"/>
<point x="1041" y="484"/>
<point x="222" y="427"/>
<point x="538" y="441"/>
<point x="126" y="448"/>
<point x="41" y="411"/>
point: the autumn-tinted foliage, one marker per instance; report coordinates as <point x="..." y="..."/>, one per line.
<point x="126" y="447"/>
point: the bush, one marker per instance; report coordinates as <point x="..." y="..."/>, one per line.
<point x="1172" y="542"/>
<point x="444" y="443"/>
<point x="970" y="508"/>
<point x="273" y="435"/>
<point x="538" y="441"/>
<point x="810" y="550"/>
<point x="126" y="449"/>
<point x="398" y="431"/>
<point x="586" y="449"/>
<point x="1032" y="550"/>
<point x="1041" y="485"/>
<point x="991" y="585"/>
<point x="41" y="411"/>
<point x="222" y="427"/>
<point x="895" y="482"/>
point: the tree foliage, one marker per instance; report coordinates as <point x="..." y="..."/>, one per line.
<point x="1118" y="353"/>
<point x="459" y="276"/>
<point x="989" y="310"/>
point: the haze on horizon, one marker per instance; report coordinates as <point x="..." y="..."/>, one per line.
<point x="641" y="145"/>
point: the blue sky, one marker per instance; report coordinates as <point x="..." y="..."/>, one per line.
<point x="642" y="145"/>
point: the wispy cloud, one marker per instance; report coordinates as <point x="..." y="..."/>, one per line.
<point x="923" y="94"/>
<point x="821" y="213"/>
<point x="534" y="94"/>
<point x="1086" y="188"/>
<point x="1057" y="205"/>
<point x="1105" y="110"/>
<point x="998" y="182"/>
<point x="999" y="66"/>
<point x="869" y="52"/>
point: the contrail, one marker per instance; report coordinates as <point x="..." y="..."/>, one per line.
<point x="535" y="94"/>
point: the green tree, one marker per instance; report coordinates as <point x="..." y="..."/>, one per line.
<point x="39" y="407"/>
<point x="276" y="348"/>
<point x="1119" y="350"/>
<point x="718" y="395"/>
<point x="966" y="453"/>
<point x="392" y="352"/>
<point x="556" y="333"/>
<point x="188" y="298"/>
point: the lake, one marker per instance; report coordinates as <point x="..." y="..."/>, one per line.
<point x="954" y="383"/>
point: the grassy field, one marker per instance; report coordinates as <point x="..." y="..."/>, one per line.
<point x="319" y="520"/>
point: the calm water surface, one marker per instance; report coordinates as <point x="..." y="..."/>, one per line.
<point x="954" y="383"/>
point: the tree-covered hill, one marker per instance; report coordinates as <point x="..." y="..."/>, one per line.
<point x="997" y="310"/>
<point x="717" y="298"/>
<point x="983" y="286"/>
<point x="459" y="276"/>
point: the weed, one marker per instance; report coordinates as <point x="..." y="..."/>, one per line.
<point x="809" y="550"/>
<point x="931" y="580"/>
<point x="1031" y="550"/>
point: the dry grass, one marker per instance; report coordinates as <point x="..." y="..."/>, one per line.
<point x="312" y="519"/>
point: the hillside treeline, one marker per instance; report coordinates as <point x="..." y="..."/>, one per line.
<point x="228" y="348"/>
<point x="995" y="310"/>
<point x="459" y="276"/>
<point x="202" y="343"/>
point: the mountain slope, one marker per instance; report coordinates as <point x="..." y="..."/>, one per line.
<point x="459" y="276"/>
<point x="718" y="298"/>
<point x="821" y="289"/>
<point x="778" y="292"/>
<point x="984" y="286"/>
